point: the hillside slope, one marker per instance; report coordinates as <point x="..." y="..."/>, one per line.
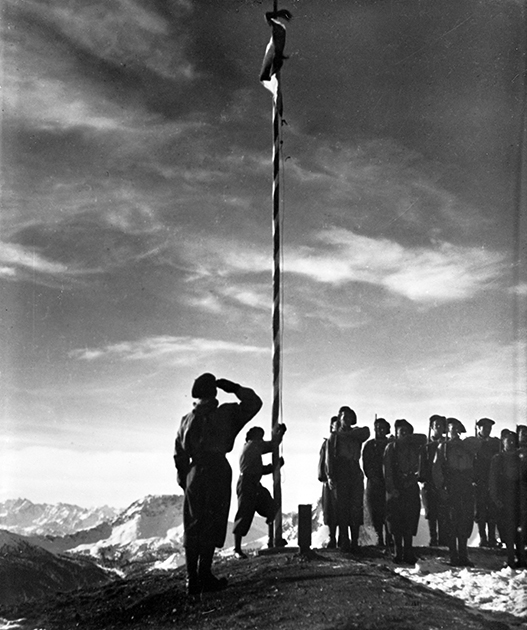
<point x="283" y="591"/>
<point x="28" y="571"/>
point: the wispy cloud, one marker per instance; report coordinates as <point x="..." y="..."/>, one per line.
<point x="16" y="257"/>
<point x="440" y="273"/>
<point x="167" y="349"/>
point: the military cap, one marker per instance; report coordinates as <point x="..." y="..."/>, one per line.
<point x="382" y="421"/>
<point x="351" y="412"/>
<point x="437" y="418"/>
<point x="204" y="386"/>
<point x="483" y="421"/>
<point x="403" y="423"/>
<point x="457" y="423"/>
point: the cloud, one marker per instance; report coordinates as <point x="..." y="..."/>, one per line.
<point x="440" y="273"/>
<point x="443" y="272"/>
<point x="521" y="289"/>
<point x="16" y="257"/>
<point x="168" y="350"/>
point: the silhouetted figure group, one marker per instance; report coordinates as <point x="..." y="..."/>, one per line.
<point x="479" y="479"/>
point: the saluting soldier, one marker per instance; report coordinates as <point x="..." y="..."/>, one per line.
<point x="345" y="477"/>
<point x="485" y="515"/>
<point x="504" y="488"/>
<point x="434" y="509"/>
<point x="204" y="437"/>
<point x="329" y="504"/>
<point x="453" y="474"/>
<point x="372" y="464"/>
<point x="403" y="503"/>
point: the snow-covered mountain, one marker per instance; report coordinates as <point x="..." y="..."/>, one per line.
<point x="28" y="571"/>
<point x="149" y="530"/>
<point x="21" y="516"/>
<point x="146" y="535"/>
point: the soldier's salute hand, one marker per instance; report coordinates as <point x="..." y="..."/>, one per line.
<point x="227" y="386"/>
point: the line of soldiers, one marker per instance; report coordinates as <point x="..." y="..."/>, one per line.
<point x="479" y="478"/>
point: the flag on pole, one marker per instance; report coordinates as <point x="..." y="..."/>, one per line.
<point x="274" y="55"/>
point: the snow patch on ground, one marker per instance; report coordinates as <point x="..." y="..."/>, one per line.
<point x="498" y="591"/>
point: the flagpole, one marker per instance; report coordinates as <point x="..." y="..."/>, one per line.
<point x="276" y="318"/>
<point x="270" y="78"/>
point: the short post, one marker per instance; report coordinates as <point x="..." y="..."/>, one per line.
<point x="304" y="528"/>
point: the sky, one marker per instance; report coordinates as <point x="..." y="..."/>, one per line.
<point x="136" y="236"/>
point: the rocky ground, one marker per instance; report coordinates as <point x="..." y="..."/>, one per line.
<point x="321" y="590"/>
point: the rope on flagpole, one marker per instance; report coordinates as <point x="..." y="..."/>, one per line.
<point x="276" y="314"/>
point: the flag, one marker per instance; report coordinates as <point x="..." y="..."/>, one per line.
<point x="274" y="56"/>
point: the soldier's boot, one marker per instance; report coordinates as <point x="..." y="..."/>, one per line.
<point x="442" y="538"/>
<point x="191" y="561"/>
<point x="344" y="541"/>
<point x="389" y="538"/>
<point x="354" y="537"/>
<point x="332" y="542"/>
<point x="483" y="541"/>
<point x="238" y="547"/>
<point x="270" y="530"/>
<point x="399" y="555"/>
<point x="463" y="553"/>
<point x="409" y="556"/>
<point x="208" y="581"/>
<point x="520" y="550"/>
<point x="380" y="536"/>
<point x="511" y="556"/>
<point x="432" y="527"/>
<point x="452" y="548"/>
<point x="492" y="535"/>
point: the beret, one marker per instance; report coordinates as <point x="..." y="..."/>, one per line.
<point x="382" y="421"/>
<point x="457" y="423"/>
<point x="437" y="418"/>
<point x="403" y="423"/>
